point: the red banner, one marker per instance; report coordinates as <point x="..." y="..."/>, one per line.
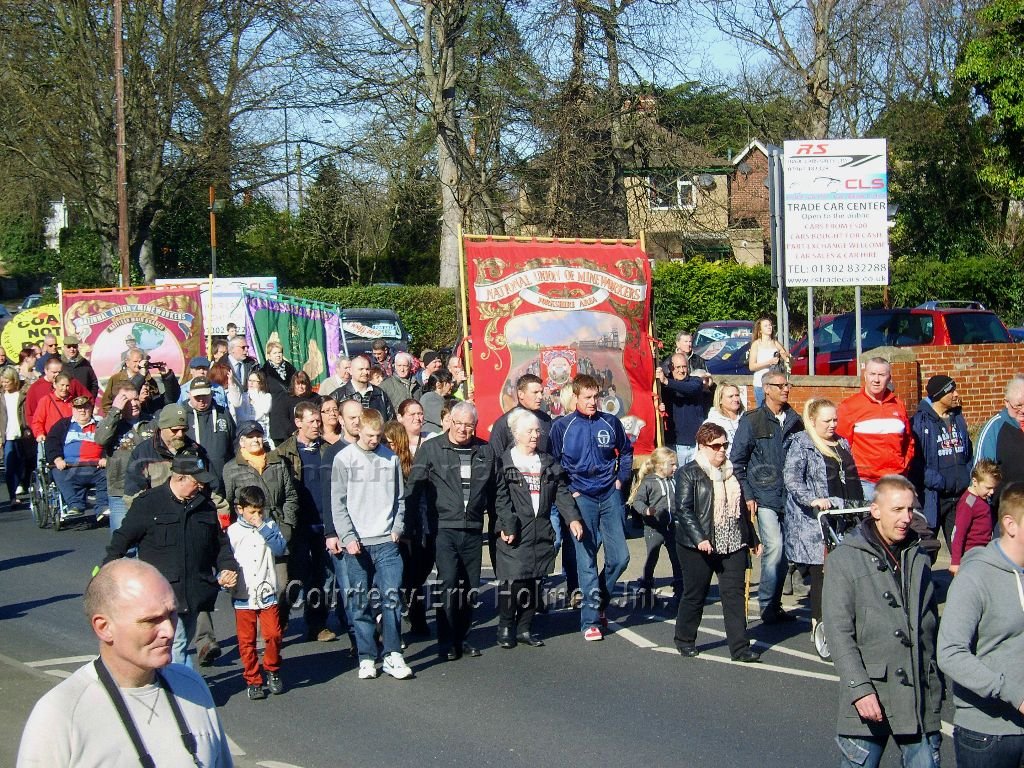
<point x="559" y="309"/>
<point x="165" y="323"/>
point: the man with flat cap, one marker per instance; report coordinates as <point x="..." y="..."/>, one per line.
<point x="130" y="706"/>
<point x="175" y="528"/>
<point x="78" y="367"/>
<point x="943" y="454"/>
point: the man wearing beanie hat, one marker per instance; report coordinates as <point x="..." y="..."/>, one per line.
<point x="150" y="463"/>
<point x="942" y="453"/>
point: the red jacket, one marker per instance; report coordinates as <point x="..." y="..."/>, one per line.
<point x="879" y="434"/>
<point x="42" y="388"/>
<point x="49" y="411"/>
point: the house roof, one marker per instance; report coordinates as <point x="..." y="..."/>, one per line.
<point x="754" y="144"/>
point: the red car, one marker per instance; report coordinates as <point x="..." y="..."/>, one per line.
<point x="835" y="348"/>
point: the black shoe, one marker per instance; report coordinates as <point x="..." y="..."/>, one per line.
<point x="688" y="651"/>
<point x="747" y="656"/>
<point x="776" y="616"/>
<point x="469" y="650"/>
<point x="419" y="630"/>
<point x="529" y="639"/>
<point x="207" y="654"/>
<point x="275" y="683"/>
<point x="505" y="637"/>
<point x="450" y="654"/>
<point x="256" y="693"/>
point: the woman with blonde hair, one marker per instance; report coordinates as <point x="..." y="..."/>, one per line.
<point x="820" y="474"/>
<point x="726" y="409"/>
<point x="765" y="353"/>
<point x="652" y="498"/>
<point x="277" y="370"/>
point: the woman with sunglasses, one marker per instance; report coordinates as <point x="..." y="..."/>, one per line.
<point x="820" y="474"/>
<point x="714" y="535"/>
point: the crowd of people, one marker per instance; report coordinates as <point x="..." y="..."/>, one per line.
<point x="244" y="478"/>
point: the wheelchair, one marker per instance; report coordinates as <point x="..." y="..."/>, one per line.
<point x="48" y="507"/>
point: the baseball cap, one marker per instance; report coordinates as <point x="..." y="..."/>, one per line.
<point x="199" y="362"/>
<point x="200" y="386"/>
<point x="250" y="427"/>
<point x="172" y="416"/>
<point x="184" y="464"/>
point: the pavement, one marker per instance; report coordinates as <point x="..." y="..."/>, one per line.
<point x="543" y="693"/>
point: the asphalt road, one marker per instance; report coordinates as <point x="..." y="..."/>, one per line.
<point x="629" y="700"/>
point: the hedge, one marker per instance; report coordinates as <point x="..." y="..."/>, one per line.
<point x="687" y="294"/>
<point x="429" y="313"/>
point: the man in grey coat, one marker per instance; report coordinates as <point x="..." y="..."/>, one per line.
<point x="981" y="642"/>
<point x="881" y="620"/>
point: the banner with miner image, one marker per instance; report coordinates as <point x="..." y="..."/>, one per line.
<point x="557" y="309"/>
<point x="164" y="323"/>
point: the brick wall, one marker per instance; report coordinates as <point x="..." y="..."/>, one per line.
<point x="748" y="197"/>
<point x="980" y="371"/>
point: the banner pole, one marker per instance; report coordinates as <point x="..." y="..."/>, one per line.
<point x="659" y="428"/>
<point x="60" y="310"/>
<point x="209" y="322"/>
<point x="467" y="358"/>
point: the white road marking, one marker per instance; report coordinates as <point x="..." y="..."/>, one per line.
<point x="275" y="764"/>
<point x="64" y="660"/>
<point x="628" y="634"/>
<point x="764" y="646"/>
<point x="233" y="747"/>
<point x="760" y="666"/>
<point x="61" y="673"/>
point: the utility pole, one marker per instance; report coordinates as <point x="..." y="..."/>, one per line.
<point x="213" y="233"/>
<point x="121" y="141"/>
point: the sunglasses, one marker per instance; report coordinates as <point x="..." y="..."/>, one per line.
<point x="787" y="385"/>
<point x="718" y="446"/>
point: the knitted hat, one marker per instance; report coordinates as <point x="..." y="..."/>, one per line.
<point x="939" y="386"/>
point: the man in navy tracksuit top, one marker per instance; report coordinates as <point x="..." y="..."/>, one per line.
<point x="596" y="454"/>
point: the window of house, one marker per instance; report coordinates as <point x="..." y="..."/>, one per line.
<point x="669" y="192"/>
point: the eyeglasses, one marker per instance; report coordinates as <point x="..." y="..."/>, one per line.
<point x="718" y="446"/>
<point x="463" y="425"/>
<point x="329" y="411"/>
<point x="785" y="385"/>
<point x="178" y="430"/>
<point x="1014" y="406"/>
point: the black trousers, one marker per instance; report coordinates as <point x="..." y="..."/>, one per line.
<point x="517" y="604"/>
<point x="417" y="563"/>
<point x="459" y="555"/>
<point x="947" y="517"/>
<point x="697" y="571"/>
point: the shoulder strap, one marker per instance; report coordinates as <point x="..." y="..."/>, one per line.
<point x="145" y="759"/>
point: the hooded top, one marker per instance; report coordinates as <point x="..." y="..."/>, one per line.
<point x="981" y="642"/>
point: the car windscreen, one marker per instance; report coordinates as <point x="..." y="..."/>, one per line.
<point x="365" y="328"/>
<point x="975" y="328"/>
<point x="896" y="329"/>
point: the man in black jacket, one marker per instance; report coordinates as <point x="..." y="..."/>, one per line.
<point x="176" y="530"/>
<point x="360" y="388"/>
<point x="79" y="368"/>
<point x="758" y="457"/>
<point x="150" y="462"/>
<point x="456" y="474"/>
<point x="212" y="427"/>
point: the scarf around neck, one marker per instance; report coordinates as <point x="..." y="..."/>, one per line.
<point x="257" y="461"/>
<point x="726" y="490"/>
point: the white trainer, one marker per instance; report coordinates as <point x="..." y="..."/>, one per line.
<point x="394" y="665"/>
<point x="367" y="669"/>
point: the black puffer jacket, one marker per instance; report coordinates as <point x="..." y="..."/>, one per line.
<point x="181" y="539"/>
<point x="532" y="552"/>
<point x="759" y="455"/>
<point x="694" y="513"/>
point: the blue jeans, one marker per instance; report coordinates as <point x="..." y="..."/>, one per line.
<point x="773" y="564"/>
<point x="73" y="482"/>
<point x="982" y="750"/>
<point x="117" y="512"/>
<point x="758" y="396"/>
<point x="867" y="488"/>
<point x="16" y="467"/>
<point x="916" y="751"/>
<point x="184" y="633"/>
<point x="563" y="544"/>
<point x="375" y="579"/>
<point x="685" y="454"/>
<point x="603" y="523"/>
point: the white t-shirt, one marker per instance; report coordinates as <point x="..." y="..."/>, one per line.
<point x="530" y="468"/>
<point x="76" y="724"/>
<point x="11" y="404"/>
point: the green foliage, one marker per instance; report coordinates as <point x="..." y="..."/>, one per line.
<point x="995" y="282"/>
<point x="21" y="245"/>
<point x="689" y="293"/>
<point x="946" y="210"/>
<point x="77" y="265"/>
<point x="993" y="64"/>
<point x="428" y="312"/>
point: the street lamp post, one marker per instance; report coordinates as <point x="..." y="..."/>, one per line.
<point x="216" y="206"/>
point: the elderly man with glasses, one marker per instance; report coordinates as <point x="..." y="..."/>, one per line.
<point x="77" y="459"/>
<point x="1002" y="437"/>
<point x="758" y="456"/>
<point x="455" y="474"/>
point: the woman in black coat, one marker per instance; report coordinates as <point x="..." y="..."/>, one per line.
<point x="279" y="372"/>
<point x="713" y="535"/>
<point x="282" y="406"/>
<point x="529" y="483"/>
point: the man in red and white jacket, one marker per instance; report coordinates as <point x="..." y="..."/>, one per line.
<point x="77" y="459"/>
<point x="875" y="423"/>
